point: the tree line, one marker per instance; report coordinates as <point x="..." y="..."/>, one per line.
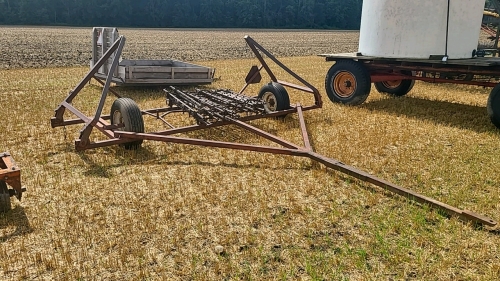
<point x="310" y="14"/>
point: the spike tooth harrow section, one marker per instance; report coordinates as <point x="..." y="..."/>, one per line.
<point x="212" y="106"/>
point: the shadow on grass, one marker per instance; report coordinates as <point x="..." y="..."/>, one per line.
<point x="492" y="231"/>
<point x="144" y="156"/>
<point x="142" y="93"/>
<point x="138" y="94"/>
<point x="471" y="117"/>
<point x="103" y="170"/>
<point x="239" y="166"/>
<point x="14" y="218"/>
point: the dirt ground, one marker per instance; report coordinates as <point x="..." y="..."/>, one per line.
<point x="27" y="47"/>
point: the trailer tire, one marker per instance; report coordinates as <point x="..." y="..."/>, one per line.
<point x="493" y="106"/>
<point x="5" y="204"/>
<point x="396" y="87"/>
<point x="348" y="82"/>
<point x="275" y="96"/>
<point x="126" y="111"/>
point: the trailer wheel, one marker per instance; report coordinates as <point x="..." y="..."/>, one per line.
<point x="125" y="111"/>
<point x="395" y="87"/>
<point x="5" y="205"/>
<point x="493" y="106"/>
<point x="275" y="96"/>
<point x="348" y="82"/>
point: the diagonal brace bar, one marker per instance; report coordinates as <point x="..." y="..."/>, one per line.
<point x="59" y="112"/>
<point x="85" y="134"/>
<point x="255" y="47"/>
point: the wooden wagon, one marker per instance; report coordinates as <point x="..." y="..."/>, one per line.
<point x="144" y="72"/>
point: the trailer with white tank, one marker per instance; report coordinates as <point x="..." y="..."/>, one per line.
<point x="404" y="41"/>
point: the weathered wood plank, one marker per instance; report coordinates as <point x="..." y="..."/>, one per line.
<point x="156" y="75"/>
<point x="168" y="81"/>
<point x="157" y="69"/>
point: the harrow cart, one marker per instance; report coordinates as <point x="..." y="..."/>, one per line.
<point x="9" y="174"/>
<point x="213" y="108"/>
<point x="144" y="72"/>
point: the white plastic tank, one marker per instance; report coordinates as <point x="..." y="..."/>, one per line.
<point x="417" y="28"/>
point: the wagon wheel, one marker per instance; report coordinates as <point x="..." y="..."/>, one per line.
<point x="493" y="106"/>
<point x="348" y="82"/>
<point x="275" y="96"/>
<point x="126" y="112"/>
<point x="395" y="87"/>
<point x="5" y="205"/>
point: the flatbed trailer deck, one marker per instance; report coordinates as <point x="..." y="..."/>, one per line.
<point x="349" y="80"/>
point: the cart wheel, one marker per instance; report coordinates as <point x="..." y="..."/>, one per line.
<point x="395" y="87"/>
<point x="125" y="111"/>
<point x="275" y="97"/>
<point x="348" y="82"/>
<point x="5" y="205"/>
<point x="493" y="106"/>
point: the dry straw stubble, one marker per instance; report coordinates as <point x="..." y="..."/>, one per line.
<point x="160" y="212"/>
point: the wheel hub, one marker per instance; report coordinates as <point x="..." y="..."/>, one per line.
<point x="270" y="101"/>
<point x="344" y="84"/>
<point x="392" y="84"/>
<point x="117" y="118"/>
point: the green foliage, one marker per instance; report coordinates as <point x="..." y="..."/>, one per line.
<point x="341" y="14"/>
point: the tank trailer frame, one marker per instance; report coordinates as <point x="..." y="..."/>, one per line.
<point x="349" y="80"/>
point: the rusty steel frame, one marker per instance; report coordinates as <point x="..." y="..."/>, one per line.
<point x="98" y="120"/>
<point x="116" y="136"/>
<point x="307" y="152"/>
<point x="381" y="73"/>
<point x="10" y="173"/>
<point x="308" y="88"/>
<point x="383" y="69"/>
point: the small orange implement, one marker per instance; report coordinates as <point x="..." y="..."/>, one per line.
<point x="10" y="174"/>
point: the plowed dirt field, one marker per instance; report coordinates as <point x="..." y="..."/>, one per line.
<point x="27" y="47"/>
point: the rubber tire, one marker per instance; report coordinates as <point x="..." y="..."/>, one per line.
<point x="278" y="94"/>
<point x="402" y="89"/>
<point x="493" y="106"/>
<point x="362" y="82"/>
<point x="5" y="204"/>
<point x="131" y="117"/>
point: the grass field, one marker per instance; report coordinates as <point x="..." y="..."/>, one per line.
<point x="163" y="212"/>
